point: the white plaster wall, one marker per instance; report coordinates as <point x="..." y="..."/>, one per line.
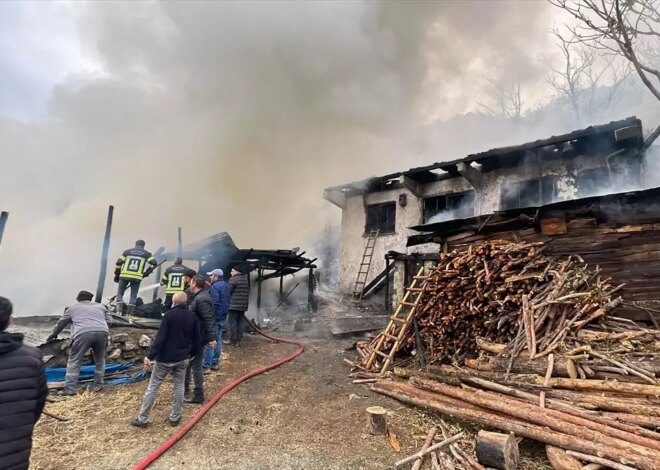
<point x="353" y="239"/>
<point x="487" y="201"/>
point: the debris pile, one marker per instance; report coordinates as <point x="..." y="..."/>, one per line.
<point x="538" y="351"/>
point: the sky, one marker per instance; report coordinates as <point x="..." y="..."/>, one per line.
<point x="233" y="116"/>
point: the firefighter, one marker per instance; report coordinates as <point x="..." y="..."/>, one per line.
<point x="175" y="280"/>
<point x="129" y="272"/>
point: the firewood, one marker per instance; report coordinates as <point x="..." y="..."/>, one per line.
<point x="427" y="442"/>
<point x="610" y="426"/>
<point x="560" y="460"/>
<point x="649" y="422"/>
<point x="459" y="409"/>
<point x="628" y="405"/>
<point x="553" y="419"/>
<point x="376" y="421"/>
<point x="599" y="460"/>
<point x="428" y="450"/>
<point x="531" y="381"/>
<point x="497" y="450"/>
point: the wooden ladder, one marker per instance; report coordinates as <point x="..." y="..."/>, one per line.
<point x="399" y="322"/>
<point x="365" y="265"/>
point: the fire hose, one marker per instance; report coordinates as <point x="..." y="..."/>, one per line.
<point x="233" y="384"/>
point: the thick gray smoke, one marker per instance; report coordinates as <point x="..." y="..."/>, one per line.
<point x="235" y="115"/>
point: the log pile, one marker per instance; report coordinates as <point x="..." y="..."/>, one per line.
<point x="537" y="350"/>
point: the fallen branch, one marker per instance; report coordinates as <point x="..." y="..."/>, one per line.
<point x="430" y="449"/>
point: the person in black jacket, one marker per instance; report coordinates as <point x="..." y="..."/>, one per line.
<point x="239" y="300"/>
<point x="201" y="305"/>
<point x="23" y="393"/>
<point x="176" y="341"/>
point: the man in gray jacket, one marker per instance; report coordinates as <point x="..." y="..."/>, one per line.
<point x="89" y="330"/>
<point x="239" y="300"/>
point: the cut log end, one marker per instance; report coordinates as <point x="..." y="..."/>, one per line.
<point x="560" y="460"/>
<point x="497" y="450"/>
<point x="376" y="421"/>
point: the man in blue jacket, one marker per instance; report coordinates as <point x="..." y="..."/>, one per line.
<point x="219" y="291"/>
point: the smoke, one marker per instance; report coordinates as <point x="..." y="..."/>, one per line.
<point x="235" y="115"/>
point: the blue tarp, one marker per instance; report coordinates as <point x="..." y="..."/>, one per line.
<point x="112" y="372"/>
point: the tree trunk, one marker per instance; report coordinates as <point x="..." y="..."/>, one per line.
<point x="626" y="405"/>
<point x="553" y="419"/>
<point x="376" y="422"/>
<point x="534" y="381"/>
<point x="459" y="409"/>
<point x="497" y="450"/>
<point x="560" y="460"/>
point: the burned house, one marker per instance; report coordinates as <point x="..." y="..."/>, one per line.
<point x="418" y="211"/>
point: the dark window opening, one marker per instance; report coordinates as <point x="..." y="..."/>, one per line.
<point x="381" y="217"/>
<point x="448" y="207"/>
<point x="593" y="182"/>
<point x="529" y="193"/>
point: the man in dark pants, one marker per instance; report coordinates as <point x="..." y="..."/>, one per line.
<point x="175" y="279"/>
<point x="201" y="305"/>
<point x="129" y="272"/>
<point x="239" y="301"/>
<point x="176" y="341"/>
<point x="23" y="394"/>
<point x="219" y="291"/>
<point x="89" y="330"/>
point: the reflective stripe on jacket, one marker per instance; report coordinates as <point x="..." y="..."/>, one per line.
<point x="133" y="262"/>
<point x="173" y="279"/>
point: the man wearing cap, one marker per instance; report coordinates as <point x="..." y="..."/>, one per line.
<point x="129" y="272"/>
<point x="175" y="279"/>
<point x="219" y="291"/>
<point x="89" y="330"/>
<point x="239" y="300"/>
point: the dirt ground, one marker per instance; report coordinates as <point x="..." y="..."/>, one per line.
<point x="304" y="415"/>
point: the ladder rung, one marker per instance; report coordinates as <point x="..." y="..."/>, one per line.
<point x="409" y="304"/>
<point x="400" y="320"/>
<point x="382" y="354"/>
<point x="415" y="289"/>
<point x="421" y="278"/>
<point x="387" y="335"/>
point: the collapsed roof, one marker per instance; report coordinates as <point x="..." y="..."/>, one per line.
<point x="616" y="134"/>
<point x="220" y="251"/>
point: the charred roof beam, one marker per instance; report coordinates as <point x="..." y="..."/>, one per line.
<point x="471" y="174"/>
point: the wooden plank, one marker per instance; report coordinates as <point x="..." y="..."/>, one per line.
<point x="553" y="226"/>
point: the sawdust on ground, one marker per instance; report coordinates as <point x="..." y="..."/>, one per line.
<point x="304" y="415"/>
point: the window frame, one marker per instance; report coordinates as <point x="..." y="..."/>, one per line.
<point x="460" y="196"/>
<point x="382" y="230"/>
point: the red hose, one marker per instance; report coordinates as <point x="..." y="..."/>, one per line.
<point x="189" y="425"/>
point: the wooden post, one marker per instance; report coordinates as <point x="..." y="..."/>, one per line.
<point x="3" y="222"/>
<point x="281" y="279"/>
<point x="104" y="255"/>
<point x="376" y="422"/>
<point x="388" y="301"/>
<point x="310" y="286"/>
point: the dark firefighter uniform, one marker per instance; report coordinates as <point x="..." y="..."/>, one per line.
<point x="130" y="267"/>
<point x="174" y="280"/>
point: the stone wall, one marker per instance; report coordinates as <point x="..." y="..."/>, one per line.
<point x="124" y="345"/>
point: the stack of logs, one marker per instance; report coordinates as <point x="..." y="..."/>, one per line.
<point x="595" y="421"/>
<point x="538" y="351"/>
